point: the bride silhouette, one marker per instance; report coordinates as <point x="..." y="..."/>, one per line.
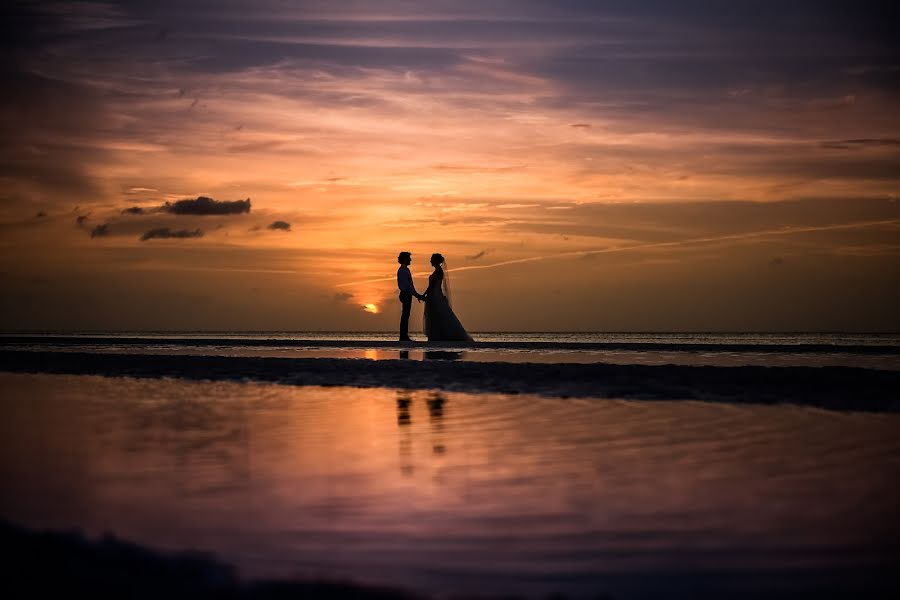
<point x="441" y="325"/>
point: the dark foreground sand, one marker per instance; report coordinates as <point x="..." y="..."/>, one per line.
<point x="66" y="565"/>
<point x="839" y="388"/>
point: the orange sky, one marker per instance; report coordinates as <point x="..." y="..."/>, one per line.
<point x="580" y="169"/>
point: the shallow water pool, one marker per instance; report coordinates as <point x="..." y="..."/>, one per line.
<point x="452" y="493"/>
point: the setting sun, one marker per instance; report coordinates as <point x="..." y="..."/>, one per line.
<point x="371" y="308"/>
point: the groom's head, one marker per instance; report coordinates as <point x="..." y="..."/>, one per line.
<point x="404" y="258"/>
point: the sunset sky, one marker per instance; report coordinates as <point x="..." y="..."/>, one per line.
<point x="601" y="166"/>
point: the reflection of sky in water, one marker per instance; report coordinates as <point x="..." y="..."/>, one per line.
<point x="839" y="339"/>
<point x="719" y="358"/>
<point x="452" y="491"/>
<point x="874" y="351"/>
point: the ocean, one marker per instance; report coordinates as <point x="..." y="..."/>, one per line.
<point x="863" y="350"/>
<point x="641" y="465"/>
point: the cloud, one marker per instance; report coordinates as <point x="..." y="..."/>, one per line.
<point x="80" y="220"/>
<point x="861" y="143"/>
<point x="342" y="297"/>
<point x="165" y="233"/>
<point x="280" y="226"/>
<point x="100" y="230"/>
<point x="777" y="261"/>
<point x="477" y="255"/>
<point x="207" y="206"/>
<point x="37" y="113"/>
<point x="40" y="215"/>
<point x="667" y="221"/>
<point x="134" y="210"/>
<point x="256" y="146"/>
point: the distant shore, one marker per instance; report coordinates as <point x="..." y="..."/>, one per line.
<point x="837" y="388"/>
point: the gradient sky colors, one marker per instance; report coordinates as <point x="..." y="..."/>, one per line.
<point x="582" y="165"/>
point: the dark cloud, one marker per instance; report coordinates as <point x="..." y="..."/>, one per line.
<point x="256" y="146"/>
<point x="642" y="59"/>
<point x="47" y="120"/>
<point x="280" y="226"/>
<point x="40" y="215"/>
<point x="207" y="206"/>
<point x="669" y="221"/>
<point x="166" y="233"/>
<point x="80" y="220"/>
<point x="861" y="143"/>
<point x="342" y="297"/>
<point x="477" y="255"/>
<point x="100" y="230"/>
<point x="777" y="261"/>
<point x="134" y="210"/>
<point x="884" y="168"/>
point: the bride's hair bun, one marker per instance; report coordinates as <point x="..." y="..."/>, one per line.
<point x="438" y="256"/>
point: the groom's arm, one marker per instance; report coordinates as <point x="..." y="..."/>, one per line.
<point x="406" y="283"/>
<point x="412" y="286"/>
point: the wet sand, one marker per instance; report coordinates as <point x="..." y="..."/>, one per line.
<point x="839" y="388"/>
<point x="873" y="346"/>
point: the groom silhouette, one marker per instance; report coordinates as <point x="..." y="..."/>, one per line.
<point x="407" y="291"/>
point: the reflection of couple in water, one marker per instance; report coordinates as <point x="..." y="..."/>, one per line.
<point x="435" y="402"/>
<point x="441" y="324"/>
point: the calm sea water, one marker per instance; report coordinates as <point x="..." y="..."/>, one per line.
<point x="452" y="493"/>
<point x="875" y="351"/>
<point x="840" y="339"/>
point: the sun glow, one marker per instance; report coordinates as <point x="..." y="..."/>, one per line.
<point x="371" y="308"/>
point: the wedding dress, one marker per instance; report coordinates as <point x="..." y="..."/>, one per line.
<point x="441" y="324"/>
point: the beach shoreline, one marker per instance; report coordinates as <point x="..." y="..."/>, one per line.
<point x="836" y="388"/>
<point x="511" y="345"/>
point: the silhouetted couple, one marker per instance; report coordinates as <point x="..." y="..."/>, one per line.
<point x="441" y="325"/>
